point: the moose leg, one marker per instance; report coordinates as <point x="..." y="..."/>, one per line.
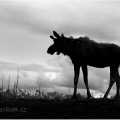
<point x="76" y="76"/>
<point x="112" y="81"/>
<point x="85" y="77"/>
<point x="117" y="77"/>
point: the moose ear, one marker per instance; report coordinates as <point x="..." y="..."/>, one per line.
<point x="62" y="35"/>
<point x="52" y="37"/>
<point x="56" y="34"/>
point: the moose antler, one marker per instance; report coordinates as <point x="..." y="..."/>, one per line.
<point x="56" y="34"/>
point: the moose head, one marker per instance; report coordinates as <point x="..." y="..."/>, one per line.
<point x="58" y="45"/>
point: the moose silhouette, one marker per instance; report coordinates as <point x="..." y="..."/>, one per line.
<point x="83" y="51"/>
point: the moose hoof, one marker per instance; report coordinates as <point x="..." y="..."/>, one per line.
<point x="74" y="97"/>
<point x="105" y="97"/>
<point x="116" y="97"/>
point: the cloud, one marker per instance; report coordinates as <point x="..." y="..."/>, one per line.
<point x="24" y="74"/>
<point x="29" y="75"/>
<point x="20" y="15"/>
<point x="99" y="20"/>
<point x="7" y="66"/>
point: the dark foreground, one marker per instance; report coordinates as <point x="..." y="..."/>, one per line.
<point x="53" y="109"/>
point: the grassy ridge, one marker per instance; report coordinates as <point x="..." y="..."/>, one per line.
<point x="53" y="109"/>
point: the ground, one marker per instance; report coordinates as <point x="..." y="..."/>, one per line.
<point x="62" y="109"/>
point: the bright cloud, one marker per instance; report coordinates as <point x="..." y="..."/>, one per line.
<point x="51" y="75"/>
<point x="97" y="19"/>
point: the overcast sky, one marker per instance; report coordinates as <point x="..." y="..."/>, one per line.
<point x="25" y="26"/>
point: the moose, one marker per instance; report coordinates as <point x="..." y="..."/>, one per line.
<point x="85" y="52"/>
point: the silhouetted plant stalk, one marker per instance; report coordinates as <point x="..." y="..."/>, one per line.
<point x="17" y="80"/>
<point x="9" y="86"/>
<point x="14" y="89"/>
<point x="2" y="85"/>
<point x="39" y="88"/>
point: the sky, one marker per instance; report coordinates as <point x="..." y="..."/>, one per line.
<point x="25" y="27"/>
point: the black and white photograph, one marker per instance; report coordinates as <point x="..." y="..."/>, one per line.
<point x="59" y="59"/>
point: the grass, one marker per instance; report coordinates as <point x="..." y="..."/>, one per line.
<point x="60" y="109"/>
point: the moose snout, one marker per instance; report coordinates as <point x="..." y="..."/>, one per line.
<point x="50" y="51"/>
